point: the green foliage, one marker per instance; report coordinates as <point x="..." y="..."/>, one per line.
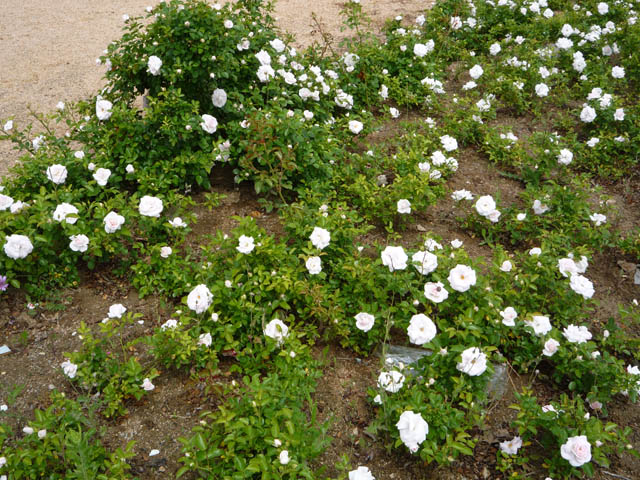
<point x="65" y="443"/>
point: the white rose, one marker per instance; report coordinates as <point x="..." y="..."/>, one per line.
<point x="509" y="316"/>
<point x="461" y="278"/>
<point x="79" y="243"/>
<point x="361" y="473"/>
<point x="103" y="109"/>
<point x="102" y="176"/>
<point x="355" y="126"/>
<point x="449" y="143"/>
<point x="129" y="168"/>
<point x="284" y="457"/>
<point x="265" y="72"/>
<point x="277" y="330"/>
<point x="425" y="262"/>
<point x="69" y="369"/>
<point x="8" y="126"/>
<point x="169" y="324"/>
<point x="6" y="201"/>
<point x="150" y="206"/>
<point x="219" y="98"/>
<point x="42" y="433"/>
<point x="421" y="329"/>
<point x="63" y="211"/>
<point x="263" y="57"/>
<point x="177" y="222"/>
<point x="575" y="334"/>
<point x="113" y="222"/>
<point x="320" y="238"/>
<point x="506" y="266"/>
<point x="485" y="205"/>
<point x="116" y="310"/>
<point x="476" y="72"/>
<point x="17" y="246"/>
<point x="473" y="362"/>
<point x="205" y="339"/>
<point x="199" y="299"/>
<point x="420" y="49"/>
<point x="391" y="381"/>
<point x="245" y="244"/>
<point x="512" y="446"/>
<point x="165" y="252"/>
<point x="542" y="90"/>
<point x="598" y="219"/>
<point x="314" y="265"/>
<point x="565" y="157"/>
<point x="209" y="123"/>
<point x="435" y="292"/>
<point x="404" y="206"/>
<point x="57" y="174"/>
<point x="582" y="286"/>
<point x="576" y="450"/>
<point x="588" y="114"/>
<point x="540" y="324"/>
<point x="153" y="65"/>
<point x="394" y="258"/>
<point x="539" y="208"/>
<point x="277" y="44"/>
<point x="413" y="429"/>
<point x="147" y="385"/>
<point x="550" y="347"/>
<point x="364" y="321"/>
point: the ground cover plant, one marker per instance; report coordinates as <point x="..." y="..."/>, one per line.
<point x="193" y="89"/>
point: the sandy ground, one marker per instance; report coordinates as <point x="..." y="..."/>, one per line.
<point x="48" y="48"/>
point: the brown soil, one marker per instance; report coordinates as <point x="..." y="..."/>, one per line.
<point x="48" y="55"/>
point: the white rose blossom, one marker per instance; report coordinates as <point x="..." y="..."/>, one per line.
<point x="113" y="222"/>
<point x="581" y="285"/>
<point x="361" y="473"/>
<point x="364" y="321"/>
<point x="511" y="447"/>
<point x="320" y="238"/>
<point x="17" y="246"/>
<point x="200" y="299"/>
<point x="209" y="123"/>
<point x="576" y="450"/>
<point x="355" y="126"/>
<point x="102" y="176"/>
<point x="147" y="386"/>
<point x="413" y="429"/>
<point x="462" y="277"/>
<point x="165" y="252"/>
<point x="550" y="347"/>
<point x="57" y="173"/>
<point x="103" y="109"/>
<point x="421" y="329"/>
<point x="277" y="330"/>
<point x="404" y="206"/>
<point x="69" y="369"/>
<point x="391" y="381"/>
<point x="540" y="324"/>
<point x="435" y="292"/>
<point x="473" y="362"/>
<point x="576" y="334"/>
<point x="79" y="243"/>
<point x="66" y="212"/>
<point x="314" y="265"/>
<point x="153" y="65"/>
<point x="509" y="316"/>
<point x="150" y="206"/>
<point x="394" y="257"/>
<point x="116" y="310"/>
<point x="424" y="262"/>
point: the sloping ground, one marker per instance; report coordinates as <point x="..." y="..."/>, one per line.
<point x="49" y="48"/>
